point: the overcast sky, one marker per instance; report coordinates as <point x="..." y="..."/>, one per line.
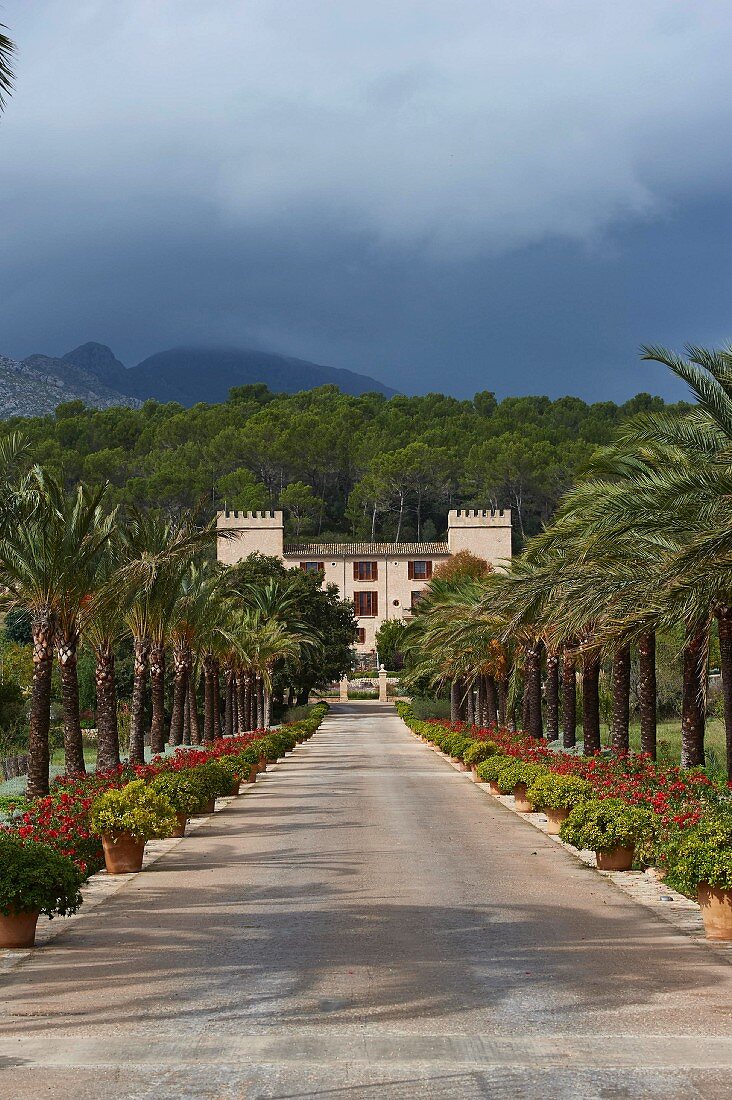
<point x="450" y="196"/>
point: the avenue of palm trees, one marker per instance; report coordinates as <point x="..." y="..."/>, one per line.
<point x="643" y="543"/>
<point x="85" y="574"/>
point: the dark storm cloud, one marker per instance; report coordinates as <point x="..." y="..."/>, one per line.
<point x="447" y="196"/>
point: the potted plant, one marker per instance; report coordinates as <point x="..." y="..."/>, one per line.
<point x="490" y="770"/>
<point x="250" y="761"/>
<point x="455" y="746"/>
<point x="609" y="827"/>
<point x="702" y="865"/>
<point x="126" y="818"/>
<point x="214" y="782"/>
<point x="183" y="791"/>
<point x="556" y="795"/>
<point x="515" y="779"/>
<point x="34" y="879"/>
<point x="477" y="752"/>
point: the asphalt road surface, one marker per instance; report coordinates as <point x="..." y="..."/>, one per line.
<point x="364" y="923"/>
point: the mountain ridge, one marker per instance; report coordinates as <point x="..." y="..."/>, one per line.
<point x="92" y="373"/>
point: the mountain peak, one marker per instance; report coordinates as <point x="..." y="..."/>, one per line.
<point x="99" y="360"/>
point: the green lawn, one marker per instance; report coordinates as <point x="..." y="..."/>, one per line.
<point x="669" y="741"/>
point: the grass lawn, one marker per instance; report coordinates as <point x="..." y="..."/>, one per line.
<point x="669" y="741"/>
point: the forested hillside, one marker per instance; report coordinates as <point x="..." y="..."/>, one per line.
<point x="353" y="466"/>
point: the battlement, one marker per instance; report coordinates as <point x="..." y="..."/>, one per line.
<point x="479" y="517"/>
<point x="245" y="533"/>
<point x="245" y="520"/>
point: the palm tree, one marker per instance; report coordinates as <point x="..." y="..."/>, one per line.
<point x="156" y="552"/>
<point x="7" y="49"/>
<point x="46" y="557"/>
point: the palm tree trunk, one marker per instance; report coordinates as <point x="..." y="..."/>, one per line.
<point x="552" y="695"/>
<point x="620" y="721"/>
<point x="42" y="626"/>
<point x="157" y="692"/>
<point x="73" y="742"/>
<point x="502" y="700"/>
<point x="244" y="701"/>
<point x="455" y="701"/>
<point x="180" y="690"/>
<point x="229" y="704"/>
<point x="217" y="700"/>
<point x="480" y="704"/>
<point x="260" y="702"/>
<point x="694" y="696"/>
<point x="208" y="702"/>
<point x="267" y="699"/>
<point x="469" y="705"/>
<point x="195" y="726"/>
<point x="591" y="700"/>
<point x="137" y="717"/>
<point x="491" y="701"/>
<point x="532" y="689"/>
<point x="235" y="727"/>
<point x="187" y="715"/>
<point x="724" y="626"/>
<point x="107" y="728"/>
<point x="647" y="692"/>
<point x="569" y="698"/>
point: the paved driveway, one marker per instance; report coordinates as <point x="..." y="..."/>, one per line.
<point x="367" y="924"/>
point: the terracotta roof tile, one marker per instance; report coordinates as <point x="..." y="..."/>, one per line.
<point x="316" y="551"/>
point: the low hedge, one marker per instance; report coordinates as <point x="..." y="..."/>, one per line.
<point x="600" y="825"/>
<point x="518" y="771"/>
<point x="137" y="809"/>
<point x="479" y="751"/>
<point x="36" y="878"/>
<point x="490" y="769"/>
<point x="558" y="792"/>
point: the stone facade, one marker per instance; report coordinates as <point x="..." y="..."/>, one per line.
<point x="384" y="580"/>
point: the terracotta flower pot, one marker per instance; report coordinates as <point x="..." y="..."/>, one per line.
<point x="253" y="771"/>
<point x="181" y="827"/>
<point x="521" y="803"/>
<point x="235" y="786"/>
<point x="122" y="853"/>
<point x="461" y="766"/>
<point x="18" y="929"/>
<point x="206" y="808"/>
<point x="716" y="909"/>
<point x="263" y="763"/>
<point x="554" y="819"/>
<point x="474" y="773"/>
<point x="494" y="788"/>
<point x="617" y="859"/>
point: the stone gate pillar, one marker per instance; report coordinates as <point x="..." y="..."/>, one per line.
<point x="382" y="684"/>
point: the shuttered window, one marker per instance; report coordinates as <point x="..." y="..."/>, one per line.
<point x="419" y="570"/>
<point x="312" y="566"/>
<point x="367" y="604"/>
<point x="365" y="571"/>
<point x="416" y="597"/>
<point x="361" y="635"/>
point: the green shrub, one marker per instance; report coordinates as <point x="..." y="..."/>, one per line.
<point x="137" y="809"/>
<point x="431" y="708"/>
<point x="478" y="751"/>
<point x="182" y="789"/>
<point x="456" y="744"/>
<point x="603" y="824"/>
<point x="490" y="769"/>
<point x="518" y="771"/>
<point x="558" y="792"/>
<point x="703" y="853"/>
<point x="215" y="779"/>
<point x="34" y="877"/>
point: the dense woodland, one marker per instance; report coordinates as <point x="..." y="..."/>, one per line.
<point x="344" y="466"/>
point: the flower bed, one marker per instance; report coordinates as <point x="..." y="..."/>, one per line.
<point x="61" y="819"/>
<point x="683" y="805"/>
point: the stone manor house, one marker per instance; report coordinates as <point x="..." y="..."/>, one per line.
<point x="385" y="580"/>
